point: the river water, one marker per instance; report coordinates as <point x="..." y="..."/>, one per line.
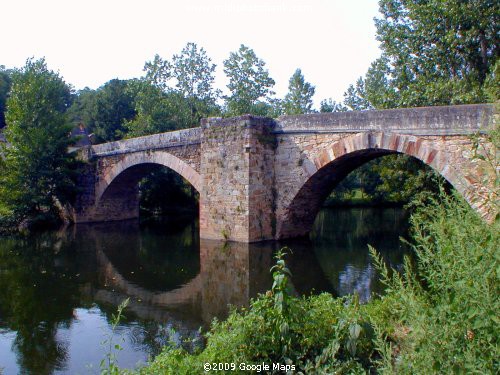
<point x="59" y="290"/>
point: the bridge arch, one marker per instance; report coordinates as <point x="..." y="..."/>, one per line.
<point x="139" y="159"/>
<point x="330" y="165"/>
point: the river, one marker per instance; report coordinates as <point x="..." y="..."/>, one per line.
<point x="58" y="290"/>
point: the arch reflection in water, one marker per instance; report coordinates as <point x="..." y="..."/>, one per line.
<point x="199" y="279"/>
<point x="340" y="240"/>
<point x="175" y="281"/>
<point x="196" y="279"/>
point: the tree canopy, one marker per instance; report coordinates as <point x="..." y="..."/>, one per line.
<point x="435" y="52"/>
<point x="5" y="83"/>
<point x="174" y="94"/>
<point x="35" y="174"/>
<point x="105" y="110"/>
<point x="249" y="83"/>
<point x="298" y="100"/>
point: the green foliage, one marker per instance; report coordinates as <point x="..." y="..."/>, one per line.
<point x="104" y="110"/>
<point x="492" y="83"/>
<point x="298" y="100"/>
<point x="35" y="177"/>
<point x="194" y="73"/>
<point x="445" y="310"/>
<point x="161" y="107"/>
<point x="158" y="72"/>
<point x="249" y="82"/>
<point x="434" y="53"/>
<point x="355" y="97"/>
<point x="191" y="98"/>
<point x="5" y="83"/>
<point x="392" y="179"/>
<point x="157" y="111"/>
<point x="411" y="176"/>
<point x="330" y="105"/>
<point x="164" y="192"/>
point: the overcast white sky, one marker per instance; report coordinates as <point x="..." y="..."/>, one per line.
<point x="90" y="42"/>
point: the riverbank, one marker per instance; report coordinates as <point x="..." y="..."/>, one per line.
<point x="357" y="198"/>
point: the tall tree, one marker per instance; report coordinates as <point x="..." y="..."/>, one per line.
<point x="435" y="52"/>
<point x="194" y="72"/>
<point x="5" y="83"/>
<point x="330" y="105"/>
<point x="158" y="72"/>
<point x="249" y="83"/>
<point x="157" y="111"/>
<point x="298" y="100"/>
<point x="175" y="94"/>
<point x="355" y="97"/>
<point x="35" y="176"/>
<point x="114" y="106"/>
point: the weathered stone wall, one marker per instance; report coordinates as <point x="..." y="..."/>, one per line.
<point x="236" y="201"/>
<point x="444" y="120"/>
<point x="184" y="137"/>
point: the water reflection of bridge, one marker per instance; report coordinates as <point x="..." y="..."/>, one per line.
<point x="205" y="296"/>
<point x="227" y="275"/>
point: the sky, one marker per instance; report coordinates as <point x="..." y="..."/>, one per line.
<point x="93" y="41"/>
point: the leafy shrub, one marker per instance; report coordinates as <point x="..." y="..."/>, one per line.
<point x="444" y="314"/>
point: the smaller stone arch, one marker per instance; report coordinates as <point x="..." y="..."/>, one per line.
<point x="150" y="157"/>
<point x="327" y="167"/>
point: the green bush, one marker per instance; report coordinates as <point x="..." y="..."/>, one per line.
<point x="444" y="310"/>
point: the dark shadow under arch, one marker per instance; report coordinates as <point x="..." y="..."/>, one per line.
<point x="308" y="201"/>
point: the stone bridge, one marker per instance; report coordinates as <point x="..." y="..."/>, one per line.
<point x="261" y="178"/>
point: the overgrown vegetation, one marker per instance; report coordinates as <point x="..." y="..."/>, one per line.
<point x="109" y="364"/>
<point x="443" y="315"/>
<point x="165" y="193"/>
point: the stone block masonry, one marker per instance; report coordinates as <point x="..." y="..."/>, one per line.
<point x="237" y="169"/>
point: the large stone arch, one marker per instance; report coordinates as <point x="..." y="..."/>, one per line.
<point x="147" y="158"/>
<point x="327" y="167"/>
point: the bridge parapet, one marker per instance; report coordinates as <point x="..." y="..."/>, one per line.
<point x="449" y="120"/>
<point x="184" y="137"/>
